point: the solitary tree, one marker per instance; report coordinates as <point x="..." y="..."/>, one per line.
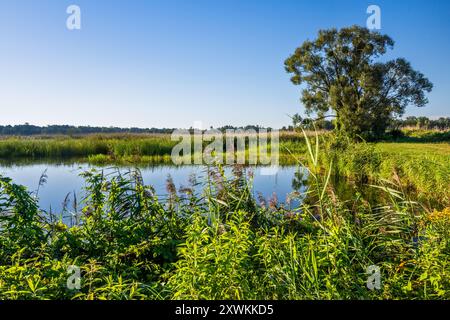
<point x="340" y="72"/>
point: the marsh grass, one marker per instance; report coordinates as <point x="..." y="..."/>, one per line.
<point x="64" y="147"/>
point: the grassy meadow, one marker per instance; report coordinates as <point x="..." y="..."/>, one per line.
<point x="223" y="243"/>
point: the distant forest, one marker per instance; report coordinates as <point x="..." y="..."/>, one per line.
<point x="443" y="123"/>
<point x="30" y="130"/>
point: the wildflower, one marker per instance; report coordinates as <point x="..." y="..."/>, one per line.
<point x="170" y="186"/>
<point x="273" y="202"/>
<point x="290" y="215"/>
<point x="250" y="173"/>
<point x="238" y="170"/>
<point x="292" y="196"/>
<point x="436" y="215"/>
<point x="217" y="178"/>
<point x="186" y="190"/>
<point x="262" y="200"/>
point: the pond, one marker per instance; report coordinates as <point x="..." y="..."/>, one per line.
<point x="64" y="178"/>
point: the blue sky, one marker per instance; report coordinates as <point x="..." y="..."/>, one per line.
<point x="171" y="63"/>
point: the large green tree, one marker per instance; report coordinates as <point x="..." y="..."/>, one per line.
<point x="341" y="72"/>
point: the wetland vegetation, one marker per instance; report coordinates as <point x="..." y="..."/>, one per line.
<point x="214" y="238"/>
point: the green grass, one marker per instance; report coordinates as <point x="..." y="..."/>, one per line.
<point x="421" y="135"/>
<point x="415" y="149"/>
<point x="65" y="147"/>
<point x="222" y="243"/>
<point x="424" y="166"/>
<point x="422" y="169"/>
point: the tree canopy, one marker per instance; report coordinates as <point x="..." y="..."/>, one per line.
<point x="341" y="72"/>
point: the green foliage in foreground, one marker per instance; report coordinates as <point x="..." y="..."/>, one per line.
<point x="221" y="244"/>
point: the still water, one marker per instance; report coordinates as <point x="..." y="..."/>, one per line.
<point x="64" y="178"/>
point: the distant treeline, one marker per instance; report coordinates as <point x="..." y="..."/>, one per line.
<point x="30" y="130"/>
<point x="443" y="123"/>
<point x="423" y="123"/>
<point x="324" y="124"/>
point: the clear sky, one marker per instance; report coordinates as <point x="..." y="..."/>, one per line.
<point x="170" y="63"/>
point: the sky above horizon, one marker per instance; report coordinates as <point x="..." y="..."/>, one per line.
<point x="160" y="63"/>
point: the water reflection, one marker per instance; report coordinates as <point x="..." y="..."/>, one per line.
<point x="61" y="187"/>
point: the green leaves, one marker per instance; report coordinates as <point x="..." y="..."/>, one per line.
<point x="342" y="75"/>
<point x="215" y="261"/>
